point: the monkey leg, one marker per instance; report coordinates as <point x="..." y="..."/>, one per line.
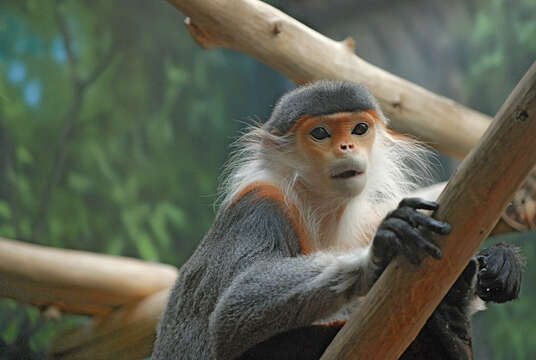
<point x="447" y="333"/>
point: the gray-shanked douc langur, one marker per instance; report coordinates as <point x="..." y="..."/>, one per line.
<point x="315" y="205"/>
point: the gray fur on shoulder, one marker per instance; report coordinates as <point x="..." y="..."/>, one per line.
<point x="250" y="231"/>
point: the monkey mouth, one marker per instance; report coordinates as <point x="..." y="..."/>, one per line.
<point x="347" y="174"/>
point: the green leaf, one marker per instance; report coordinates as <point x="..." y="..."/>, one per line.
<point x="115" y="245"/>
<point x="134" y="220"/>
<point x="79" y="182"/>
<point x="145" y="247"/>
<point x="7" y="231"/>
<point x="166" y="212"/>
<point x="5" y="210"/>
<point x="10" y="333"/>
<point x="23" y="155"/>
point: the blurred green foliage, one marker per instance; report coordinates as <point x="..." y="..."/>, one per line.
<point x="114" y="126"/>
<point x="501" y="47"/>
<point x="508" y="331"/>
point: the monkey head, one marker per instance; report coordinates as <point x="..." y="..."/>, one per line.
<point x="333" y="127"/>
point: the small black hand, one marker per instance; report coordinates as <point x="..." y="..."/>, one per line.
<point x="499" y="275"/>
<point x="404" y="231"/>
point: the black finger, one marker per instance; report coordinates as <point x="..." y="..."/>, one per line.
<point x="486" y="294"/>
<point x="482" y="259"/>
<point x="418" y="203"/>
<point x="498" y="290"/>
<point x="416" y="218"/>
<point x="411" y="254"/>
<point x="496" y="294"/>
<point x="493" y="267"/>
<point x="403" y="230"/>
<point x="385" y="245"/>
<point x="491" y="284"/>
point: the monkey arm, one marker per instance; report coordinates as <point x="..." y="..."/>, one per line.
<point x="278" y="294"/>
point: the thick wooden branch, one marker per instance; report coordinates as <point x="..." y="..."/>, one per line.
<point x="405" y="296"/>
<point x="77" y="281"/>
<point x="304" y="55"/>
<point x="127" y="333"/>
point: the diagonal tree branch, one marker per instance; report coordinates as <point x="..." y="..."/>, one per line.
<point x="472" y="202"/>
<point x="303" y="55"/>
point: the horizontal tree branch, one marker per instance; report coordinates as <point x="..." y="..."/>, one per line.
<point x="127" y="333"/>
<point x="303" y="55"/>
<point x="77" y="281"/>
<point x="472" y="202"/>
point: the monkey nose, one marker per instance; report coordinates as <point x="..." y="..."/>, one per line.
<point x="347" y="147"/>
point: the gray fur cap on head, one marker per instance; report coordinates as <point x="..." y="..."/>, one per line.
<point x="319" y="98"/>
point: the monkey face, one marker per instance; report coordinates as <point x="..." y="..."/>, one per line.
<point x="337" y="149"/>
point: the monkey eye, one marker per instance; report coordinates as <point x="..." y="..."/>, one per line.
<point x="360" y="129"/>
<point x="319" y="133"/>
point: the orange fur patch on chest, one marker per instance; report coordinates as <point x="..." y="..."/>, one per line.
<point x="264" y="190"/>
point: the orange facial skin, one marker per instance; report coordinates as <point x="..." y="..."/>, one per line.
<point x="341" y="144"/>
<point x="341" y="140"/>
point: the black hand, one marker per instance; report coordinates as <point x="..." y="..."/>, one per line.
<point x="499" y="276"/>
<point x="404" y="231"/>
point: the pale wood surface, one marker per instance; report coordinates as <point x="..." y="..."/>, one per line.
<point x="404" y="297"/>
<point x="77" y="281"/>
<point x="304" y="55"/>
<point x="127" y="333"/>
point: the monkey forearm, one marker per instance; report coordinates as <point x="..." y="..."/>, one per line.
<point x="288" y="293"/>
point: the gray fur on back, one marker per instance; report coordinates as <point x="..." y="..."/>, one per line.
<point x="242" y="234"/>
<point x="319" y="98"/>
